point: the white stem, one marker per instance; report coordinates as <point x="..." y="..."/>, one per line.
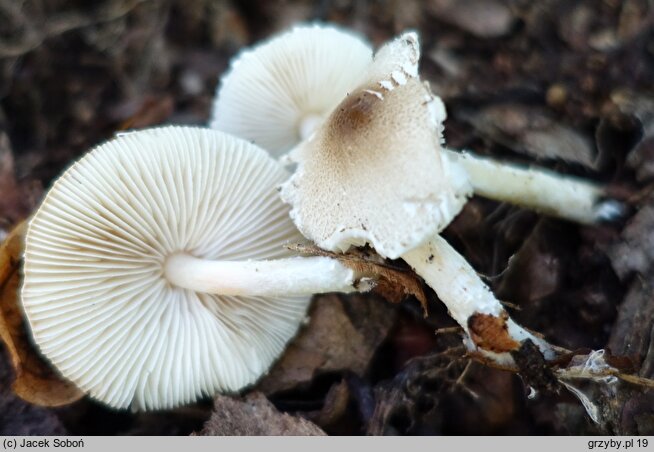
<point x="539" y="189"/>
<point x="461" y="289"/>
<point x="308" y="124"/>
<point x="281" y="277"/>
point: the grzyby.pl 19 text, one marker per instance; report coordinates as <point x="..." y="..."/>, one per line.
<point x="613" y="444"/>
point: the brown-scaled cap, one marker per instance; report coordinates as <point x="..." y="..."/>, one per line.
<point x="373" y="172"/>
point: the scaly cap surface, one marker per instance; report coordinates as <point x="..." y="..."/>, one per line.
<point x="373" y="172"/>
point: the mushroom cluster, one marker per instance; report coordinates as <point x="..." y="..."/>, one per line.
<point x="156" y="269"/>
<point x="278" y="93"/>
<point x="375" y="171"/>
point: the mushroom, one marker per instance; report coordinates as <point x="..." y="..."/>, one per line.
<point x="279" y="92"/>
<point x="374" y="173"/>
<point x="155" y="268"/>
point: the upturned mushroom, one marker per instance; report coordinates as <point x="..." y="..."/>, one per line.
<point x="156" y="272"/>
<point x="279" y="92"/>
<point x="373" y="173"/>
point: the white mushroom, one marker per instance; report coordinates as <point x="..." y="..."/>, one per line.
<point x="279" y="92"/>
<point x="156" y="272"/>
<point x="373" y="173"/>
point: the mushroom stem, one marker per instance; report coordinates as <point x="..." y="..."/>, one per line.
<point x="308" y="124"/>
<point x="293" y="276"/>
<point x="468" y="299"/>
<point x="545" y="191"/>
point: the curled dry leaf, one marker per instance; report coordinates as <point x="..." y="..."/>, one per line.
<point x="391" y="282"/>
<point x="20" y="417"/>
<point x="254" y="416"/>
<point x="36" y="382"/>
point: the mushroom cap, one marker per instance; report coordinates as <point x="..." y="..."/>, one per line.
<point x="373" y="172"/>
<point x="94" y="293"/>
<point x="294" y="79"/>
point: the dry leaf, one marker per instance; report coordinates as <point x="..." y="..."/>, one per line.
<point x="20" y="417"/>
<point x="254" y="416"/>
<point x="632" y="331"/>
<point x="343" y="335"/>
<point x="391" y="282"/>
<point x="36" y="382"/>
<point x="531" y="130"/>
<point x="635" y="252"/>
<point x="536" y="270"/>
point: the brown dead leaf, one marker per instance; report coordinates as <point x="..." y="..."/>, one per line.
<point x="254" y="416"/>
<point x="635" y="252"/>
<point x="535" y="271"/>
<point x="533" y="131"/>
<point x="391" y="282"/>
<point x="20" y="417"/>
<point x="343" y="334"/>
<point x="632" y="331"/>
<point x="36" y="382"/>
